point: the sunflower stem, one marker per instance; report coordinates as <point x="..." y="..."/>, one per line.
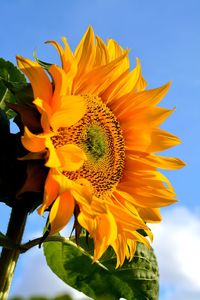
<point x="9" y="257"/>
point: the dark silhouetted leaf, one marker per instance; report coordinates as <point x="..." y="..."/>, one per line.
<point x="5" y="241"/>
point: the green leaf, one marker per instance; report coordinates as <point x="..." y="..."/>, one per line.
<point x="5" y="241"/>
<point x="60" y="297"/>
<point x="6" y="96"/>
<point x="11" y="82"/>
<point x="63" y="297"/>
<point x="11" y="75"/>
<point x="135" y="280"/>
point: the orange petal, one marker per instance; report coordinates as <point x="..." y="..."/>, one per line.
<point x="39" y="80"/>
<point x="148" y="197"/>
<point x="101" y="53"/>
<point x="125" y="85"/>
<point x="51" y="192"/>
<point x="161" y="162"/>
<point x="150" y="215"/>
<point x="68" y="62"/>
<point x="151" y="97"/>
<point x="33" y="142"/>
<point x="62" y="85"/>
<point x="105" y="233"/>
<point x="162" y="140"/>
<point x="120" y="246"/>
<point x="143" y="117"/>
<point x="137" y="140"/>
<point x="140" y="99"/>
<point x="46" y="112"/>
<point x="99" y="79"/>
<point x="142" y="178"/>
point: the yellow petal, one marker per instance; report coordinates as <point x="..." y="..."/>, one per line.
<point x="124" y="197"/>
<point x="53" y="160"/>
<point x="71" y="157"/>
<point x="132" y="248"/>
<point x="86" y="222"/>
<point x="39" y="80"/>
<point x="141" y="83"/>
<point x="61" y="212"/>
<point x="65" y="184"/>
<point x="43" y="106"/>
<point x="72" y="109"/>
<point x="85" y="53"/>
<point x="126" y="218"/>
<point x="115" y="51"/>
<point x="138" y="237"/>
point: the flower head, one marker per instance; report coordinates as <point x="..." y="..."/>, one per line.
<point x="99" y="135"/>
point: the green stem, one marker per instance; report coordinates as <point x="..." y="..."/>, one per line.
<point x="9" y="257"/>
<point x="25" y="247"/>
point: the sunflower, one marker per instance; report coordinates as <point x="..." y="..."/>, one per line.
<point x="100" y="132"/>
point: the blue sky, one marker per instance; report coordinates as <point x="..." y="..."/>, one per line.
<point x="165" y="35"/>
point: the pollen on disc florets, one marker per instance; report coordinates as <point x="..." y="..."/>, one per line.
<point x="99" y="134"/>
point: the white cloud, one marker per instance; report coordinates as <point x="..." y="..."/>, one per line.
<point x="36" y="278"/>
<point x="177" y="247"/>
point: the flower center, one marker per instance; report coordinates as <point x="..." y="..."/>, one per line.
<point x="95" y="144"/>
<point x="99" y="134"/>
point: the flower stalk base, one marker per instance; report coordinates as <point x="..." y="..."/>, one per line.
<point x="9" y="257"/>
